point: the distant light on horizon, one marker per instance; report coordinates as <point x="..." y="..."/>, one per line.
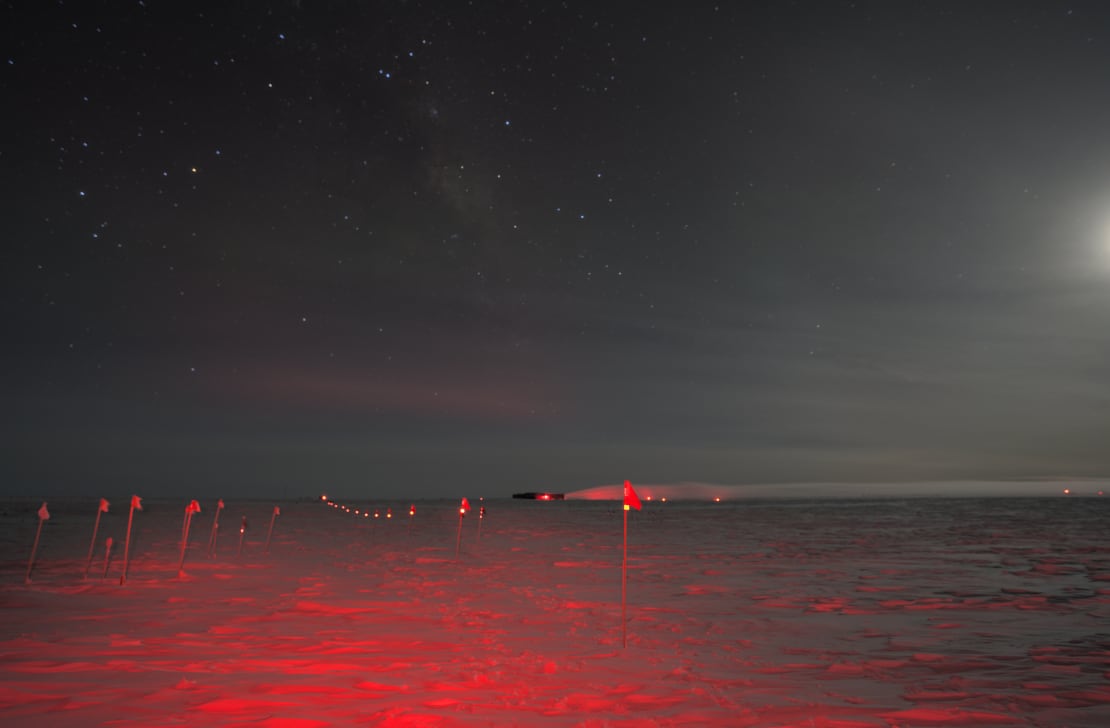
<point x="717" y="493"/>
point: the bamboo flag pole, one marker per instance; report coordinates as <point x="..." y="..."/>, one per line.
<point x="190" y="509"/>
<point x="463" y="508"/>
<point x="44" y="516"/>
<point x="107" y="556"/>
<point x="624" y="583"/>
<point x="96" y="526"/>
<point x="242" y="533"/>
<point x="215" y="529"/>
<point x="136" y="504"/>
<point x="631" y="500"/>
<point x="277" y="512"/>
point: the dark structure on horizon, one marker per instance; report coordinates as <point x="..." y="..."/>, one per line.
<point x="539" y="496"/>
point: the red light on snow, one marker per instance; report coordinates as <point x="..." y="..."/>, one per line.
<point x="324" y="498"/>
<point x="462" y="511"/>
<point x="376" y="514"/>
<point x="717" y="499"/>
<point x="1067" y="491"/>
<point x="545" y="496"/>
<point x="663" y="499"/>
<point x="412" y="510"/>
<point x="388" y="513"/>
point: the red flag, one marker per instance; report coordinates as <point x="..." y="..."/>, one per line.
<point x="631" y="500"/>
<point x="193" y="507"/>
<point x="136" y="503"/>
<point x="103" y="505"/>
<point x="277" y="511"/>
<point x="465" y="506"/>
<point x="43" y="513"/>
<point x="220" y="505"/>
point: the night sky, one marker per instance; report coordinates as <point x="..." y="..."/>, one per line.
<point x="424" y="249"/>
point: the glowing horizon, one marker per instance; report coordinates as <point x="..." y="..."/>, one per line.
<point x="1076" y="487"/>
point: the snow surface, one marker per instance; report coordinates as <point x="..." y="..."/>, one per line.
<point x="825" y="613"/>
